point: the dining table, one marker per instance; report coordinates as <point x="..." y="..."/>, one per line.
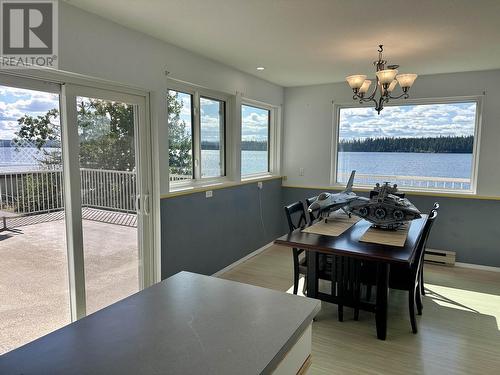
<point x="348" y="246"/>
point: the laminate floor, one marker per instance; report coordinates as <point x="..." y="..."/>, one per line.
<point x="459" y="331"/>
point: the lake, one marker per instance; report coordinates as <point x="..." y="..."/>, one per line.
<point x="407" y="164"/>
<point x="374" y="163"/>
<point x="251" y="162"/>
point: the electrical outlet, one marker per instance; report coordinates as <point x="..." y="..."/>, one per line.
<point x="209" y="194"/>
<point x="301" y="171"/>
<point x="259" y="185"/>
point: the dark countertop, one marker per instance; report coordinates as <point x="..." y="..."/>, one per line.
<point x="187" y="324"/>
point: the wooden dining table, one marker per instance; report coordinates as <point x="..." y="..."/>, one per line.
<point x="348" y="245"/>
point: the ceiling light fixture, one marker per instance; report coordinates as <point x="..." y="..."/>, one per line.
<point x="260" y="68"/>
<point x="387" y="79"/>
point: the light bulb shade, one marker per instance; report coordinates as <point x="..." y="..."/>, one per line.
<point x="386" y="76"/>
<point x="356" y="81"/>
<point x="365" y="86"/>
<point x="392" y="86"/>
<point x="406" y="80"/>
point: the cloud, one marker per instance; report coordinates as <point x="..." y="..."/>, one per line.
<point x="15" y="103"/>
<point x="255" y="123"/>
<point x="426" y="120"/>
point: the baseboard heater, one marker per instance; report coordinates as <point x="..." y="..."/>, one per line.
<point x="446" y="258"/>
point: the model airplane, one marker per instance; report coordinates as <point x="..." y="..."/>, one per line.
<point x="329" y="202"/>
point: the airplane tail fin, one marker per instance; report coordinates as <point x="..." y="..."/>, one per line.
<point x="348" y="187"/>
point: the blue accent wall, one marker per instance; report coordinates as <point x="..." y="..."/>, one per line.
<point x="204" y="235"/>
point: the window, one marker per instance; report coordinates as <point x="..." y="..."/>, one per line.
<point x="424" y="146"/>
<point x="180" y="133"/>
<point x="196" y="129"/>
<point x="255" y="131"/>
<point x="212" y="137"/>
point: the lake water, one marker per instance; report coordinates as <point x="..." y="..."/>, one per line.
<point x="21" y="159"/>
<point x="407" y="164"/>
<point x="251" y="162"/>
<point x="374" y="163"/>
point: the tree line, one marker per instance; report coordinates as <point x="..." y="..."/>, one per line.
<point x="245" y="145"/>
<point x="457" y="144"/>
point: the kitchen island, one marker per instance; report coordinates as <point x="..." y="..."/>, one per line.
<point x="186" y="324"/>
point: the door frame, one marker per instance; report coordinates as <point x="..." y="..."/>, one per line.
<point x="143" y="157"/>
<point x="69" y="86"/>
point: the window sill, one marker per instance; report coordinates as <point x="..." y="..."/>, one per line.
<point x="202" y="186"/>
<point x="430" y="193"/>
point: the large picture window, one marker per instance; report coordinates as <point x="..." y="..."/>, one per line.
<point x="255" y="131"/>
<point x="424" y="146"/>
<point x="196" y="129"/>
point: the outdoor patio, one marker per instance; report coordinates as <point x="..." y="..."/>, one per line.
<point x="34" y="270"/>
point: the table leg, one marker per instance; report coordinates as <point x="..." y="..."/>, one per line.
<point x="382" y="297"/>
<point x="312" y="274"/>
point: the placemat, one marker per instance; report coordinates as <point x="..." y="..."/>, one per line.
<point x="386" y="237"/>
<point x="338" y="223"/>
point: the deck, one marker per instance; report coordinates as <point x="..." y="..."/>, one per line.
<point x="34" y="275"/>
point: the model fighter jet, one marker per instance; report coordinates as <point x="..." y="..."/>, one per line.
<point x="329" y="202"/>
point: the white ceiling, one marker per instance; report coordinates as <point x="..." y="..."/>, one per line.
<point x="302" y="42"/>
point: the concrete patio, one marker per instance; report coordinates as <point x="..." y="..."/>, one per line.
<point x="34" y="291"/>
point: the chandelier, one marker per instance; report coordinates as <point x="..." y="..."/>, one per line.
<point x="387" y="79"/>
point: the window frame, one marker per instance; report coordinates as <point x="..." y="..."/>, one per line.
<point x="273" y="134"/>
<point x="197" y="93"/>
<point x="478" y="99"/>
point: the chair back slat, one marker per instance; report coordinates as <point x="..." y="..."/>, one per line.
<point x="315" y="214"/>
<point x="295" y="215"/>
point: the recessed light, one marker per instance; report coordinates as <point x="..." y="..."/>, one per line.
<point x="260" y="68"/>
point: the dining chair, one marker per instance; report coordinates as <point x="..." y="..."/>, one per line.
<point x="296" y="218"/>
<point x="407" y="277"/>
<point x="315" y="213"/>
<point x="422" y="289"/>
<point x="333" y="263"/>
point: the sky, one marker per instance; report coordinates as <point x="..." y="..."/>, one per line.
<point x="15" y="103"/>
<point x="255" y="120"/>
<point x="424" y="120"/>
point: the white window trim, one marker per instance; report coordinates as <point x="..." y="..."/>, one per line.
<point x="197" y="92"/>
<point x="274" y="139"/>
<point x="478" y="99"/>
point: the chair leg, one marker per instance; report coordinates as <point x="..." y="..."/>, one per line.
<point x="411" y="306"/>
<point x="422" y="289"/>
<point x="295" y="275"/>
<point x="304" y="288"/>
<point x="368" y="292"/>
<point x="341" y="313"/>
<point x="418" y="300"/>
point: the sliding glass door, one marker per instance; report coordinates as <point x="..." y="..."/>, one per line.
<point x="34" y="289"/>
<point x="75" y="228"/>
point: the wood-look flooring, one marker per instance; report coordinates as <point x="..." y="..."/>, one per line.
<point x="459" y="331"/>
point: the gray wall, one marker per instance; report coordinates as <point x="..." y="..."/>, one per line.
<point x="204" y="235"/>
<point x="467" y="226"/>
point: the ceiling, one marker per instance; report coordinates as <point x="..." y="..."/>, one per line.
<point x="302" y="42"/>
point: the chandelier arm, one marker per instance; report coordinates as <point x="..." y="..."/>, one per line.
<point x="374" y="90"/>
<point x="404" y="95"/>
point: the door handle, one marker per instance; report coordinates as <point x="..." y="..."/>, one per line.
<point x="145" y="204"/>
<point x="147" y="209"/>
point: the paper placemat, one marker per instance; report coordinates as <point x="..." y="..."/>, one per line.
<point x="386" y="237"/>
<point x="337" y="224"/>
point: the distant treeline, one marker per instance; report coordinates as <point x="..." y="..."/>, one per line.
<point x="245" y="145"/>
<point x="463" y="144"/>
